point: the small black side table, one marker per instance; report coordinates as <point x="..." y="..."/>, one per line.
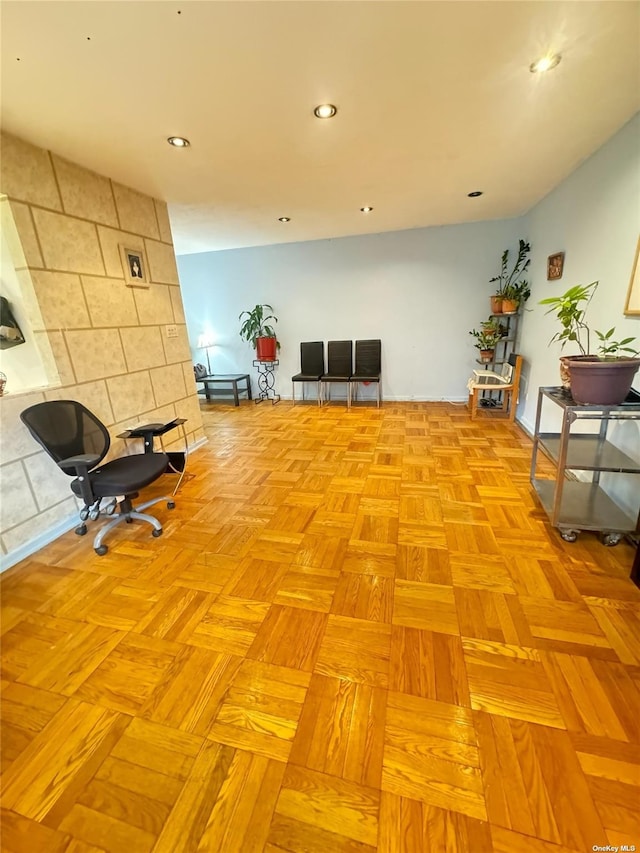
<point x="228" y="379"/>
<point x="266" y="380"/>
<point x="147" y="432"/>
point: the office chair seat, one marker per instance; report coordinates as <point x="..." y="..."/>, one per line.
<point x="78" y="441"/>
<point x="126" y="474"/>
<point x="306" y="377"/>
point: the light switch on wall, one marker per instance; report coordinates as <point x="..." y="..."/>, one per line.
<point x="172" y="331"/>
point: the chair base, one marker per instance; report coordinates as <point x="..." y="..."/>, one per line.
<point x="128" y="513"/>
<point x="503" y="409"/>
<point x="327" y="391"/>
<point x="302" y="381"/>
<point x="353" y="390"/>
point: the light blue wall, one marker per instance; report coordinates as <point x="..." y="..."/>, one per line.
<point x="594" y="217"/>
<point x="420" y="291"/>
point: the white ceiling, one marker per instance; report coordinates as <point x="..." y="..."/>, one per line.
<point x="435" y="100"/>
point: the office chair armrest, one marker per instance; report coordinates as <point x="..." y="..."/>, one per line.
<point x="80" y="464"/>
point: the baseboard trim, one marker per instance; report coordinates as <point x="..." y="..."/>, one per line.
<point x="40" y="541"/>
<point x="47" y="536"/>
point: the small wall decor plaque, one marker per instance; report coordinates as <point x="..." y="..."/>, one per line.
<point x="632" y="307"/>
<point x="555" y="263"/>
<point x="134" y="266"/>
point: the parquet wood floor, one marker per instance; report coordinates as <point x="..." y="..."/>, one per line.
<point x="358" y="633"/>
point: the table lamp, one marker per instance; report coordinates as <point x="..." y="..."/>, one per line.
<point x="205" y="342"/>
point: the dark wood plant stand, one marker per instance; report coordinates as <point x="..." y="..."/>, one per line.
<point x="266" y="380"/>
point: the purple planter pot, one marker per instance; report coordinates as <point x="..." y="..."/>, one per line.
<point x="604" y="383"/>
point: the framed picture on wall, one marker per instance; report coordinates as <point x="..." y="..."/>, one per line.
<point x="555" y="264"/>
<point x="134" y="266"/>
<point x="632" y="306"/>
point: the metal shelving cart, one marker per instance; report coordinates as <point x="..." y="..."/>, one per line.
<point x="574" y="505"/>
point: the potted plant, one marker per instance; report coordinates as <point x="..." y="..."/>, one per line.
<point x="508" y="283"/>
<point x="257" y="331"/>
<point x="486" y="340"/>
<point x="515" y="295"/>
<point x="603" y="378"/>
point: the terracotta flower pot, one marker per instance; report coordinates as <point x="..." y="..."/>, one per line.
<point x="565" y="376"/>
<point x="509" y="306"/>
<point x="266" y="349"/>
<point x="496" y="304"/>
<point x="486" y="355"/>
<point x="603" y="383"/>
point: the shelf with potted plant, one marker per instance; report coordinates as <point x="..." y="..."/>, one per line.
<point x="487" y="338"/>
<point x="604" y="377"/>
<point x="257" y="331"/>
<point x="511" y="289"/>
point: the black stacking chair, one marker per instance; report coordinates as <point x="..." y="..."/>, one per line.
<point x="77" y="441"/>
<point x="368" y="365"/>
<point x="339" y="366"/>
<point x="311" y="367"/>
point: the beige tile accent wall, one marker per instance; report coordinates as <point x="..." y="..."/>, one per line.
<point x="110" y="242"/>
<point x="27" y="174"/>
<point x="85" y="194"/>
<point x="61" y="300"/>
<point x="142" y="347"/>
<point x="155" y="305"/>
<point x="108" y="341"/>
<point x="68" y="244"/>
<point x="164" y="225"/>
<point x="24" y="224"/>
<point x="107" y="298"/>
<point x="162" y="262"/>
<point x="137" y="212"/>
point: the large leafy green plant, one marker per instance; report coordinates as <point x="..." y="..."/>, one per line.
<point x="570" y="309"/>
<point x="508" y="281"/>
<point x="257" y="324"/>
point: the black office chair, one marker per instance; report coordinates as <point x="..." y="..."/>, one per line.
<point x="311" y="367"/>
<point x="77" y="441"/>
<point x="368" y="365"/>
<point x="339" y="366"/>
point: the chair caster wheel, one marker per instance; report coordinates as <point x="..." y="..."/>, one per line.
<point x="569" y="535"/>
<point x="101" y="550"/>
<point x="171" y="504"/>
<point x="610" y="539"/>
<point x="81" y="530"/>
<point x="156" y="533"/>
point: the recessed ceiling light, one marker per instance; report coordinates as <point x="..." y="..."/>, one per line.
<point x="284" y="219"/>
<point x="366" y="209"/>
<point x="475" y="194"/>
<point x="178" y="141"/>
<point x="325" y="111"/>
<point x="545" y="63"/>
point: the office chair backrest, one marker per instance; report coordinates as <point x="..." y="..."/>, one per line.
<point x="339" y="358"/>
<point x="66" y="428"/>
<point x="312" y="357"/>
<point x="368" y="357"/>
